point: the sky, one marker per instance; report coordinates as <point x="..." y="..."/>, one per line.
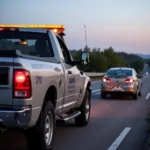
<point x="121" y="24"/>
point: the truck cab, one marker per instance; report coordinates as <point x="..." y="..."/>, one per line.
<point x="40" y="82"/>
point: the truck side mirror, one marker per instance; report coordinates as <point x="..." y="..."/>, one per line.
<point x="85" y="58"/>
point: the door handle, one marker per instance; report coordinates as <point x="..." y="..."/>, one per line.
<point x="60" y="82"/>
<point x="69" y="72"/>
<point x="57" y="69"/>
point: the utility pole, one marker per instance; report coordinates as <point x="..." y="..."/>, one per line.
<point x="85" y="37"/>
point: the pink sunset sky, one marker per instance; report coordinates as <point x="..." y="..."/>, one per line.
<point x="122" y="24"/>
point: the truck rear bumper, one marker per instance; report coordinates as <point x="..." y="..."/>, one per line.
<point x="15" y="118"/>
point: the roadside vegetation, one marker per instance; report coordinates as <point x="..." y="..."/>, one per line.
<point x="102" y="60"/>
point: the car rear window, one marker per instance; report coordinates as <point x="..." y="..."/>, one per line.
<point x="119" y="72"/>
<point x="37" y="44"/>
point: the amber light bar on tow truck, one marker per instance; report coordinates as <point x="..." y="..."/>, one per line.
<point x="59" y="29"/>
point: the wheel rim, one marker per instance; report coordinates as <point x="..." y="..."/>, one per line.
<point x="87" y="107"/>
<point x="48" y="128"/>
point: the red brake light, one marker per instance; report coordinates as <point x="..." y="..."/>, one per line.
<point x="129" y="80"/>
<point x="22" y="84"/>
<point x="106" y="80"/>
<point x="20" y="77"/>
<point x="8" y="29"/>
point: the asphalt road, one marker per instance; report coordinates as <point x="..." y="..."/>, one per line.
<point x="116" y="123"/>
<point x="146" y="69"/>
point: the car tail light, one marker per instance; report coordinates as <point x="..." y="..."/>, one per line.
<point x="129" y="80"/>
<point x="106" y="80"/>
<point x="22" y="84"/>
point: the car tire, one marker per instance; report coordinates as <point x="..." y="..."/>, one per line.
<point x="85" y="109"/>
<point x="140" y="93"/>
<point x="103" y="95"/>
<point x="135" y="95"/>
<point x="36" y="136"/>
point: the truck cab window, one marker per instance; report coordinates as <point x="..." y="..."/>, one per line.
<point x="37" y="44"/>
<point x="64" y="51"/>
<point x="42" y="48"/>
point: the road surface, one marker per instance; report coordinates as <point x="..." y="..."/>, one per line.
<point x="146" y="69"/>
<point x="116" y="124"/>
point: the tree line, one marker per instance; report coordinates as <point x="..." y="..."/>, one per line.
<point x="102" y="60"/>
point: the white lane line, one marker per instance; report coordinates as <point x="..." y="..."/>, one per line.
<point x="148" y="95"/>
<point x="97" y="93"/>
<point x="95" y="90"/>
<point x="119" y="139"/>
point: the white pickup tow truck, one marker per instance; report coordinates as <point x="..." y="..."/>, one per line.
<point x="39" y="82"/>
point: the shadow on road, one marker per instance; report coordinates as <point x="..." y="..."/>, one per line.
<point x="121" y="97"/>
<point x="15" y="140"/>
<point x="70" y="137"/>
<point x="118" y="97"/>
<point x="12" y="140"/>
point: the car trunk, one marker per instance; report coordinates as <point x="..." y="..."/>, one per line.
<point x="117" y="80"/>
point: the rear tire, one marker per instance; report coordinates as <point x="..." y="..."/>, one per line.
<point x="135" y="95"/>
<point x="140" y="93"/>
<point x="103" y="95"/>
<point x="84" y="118"/>
<point x="41" y="137"/>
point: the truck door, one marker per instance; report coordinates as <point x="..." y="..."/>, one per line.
<point x="72" y="78"/>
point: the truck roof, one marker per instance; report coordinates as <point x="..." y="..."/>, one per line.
<point x="58" y="29"/>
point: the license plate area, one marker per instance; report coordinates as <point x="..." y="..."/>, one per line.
<point x="117" y="89"/>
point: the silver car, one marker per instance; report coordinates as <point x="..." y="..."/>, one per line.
<point x="121" y="80"/>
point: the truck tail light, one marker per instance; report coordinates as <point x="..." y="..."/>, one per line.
<point x="9" y="29"/>
<point x="22" y="84"/>
<point x="106" y="80"/>
<point x="129" y="80"/>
